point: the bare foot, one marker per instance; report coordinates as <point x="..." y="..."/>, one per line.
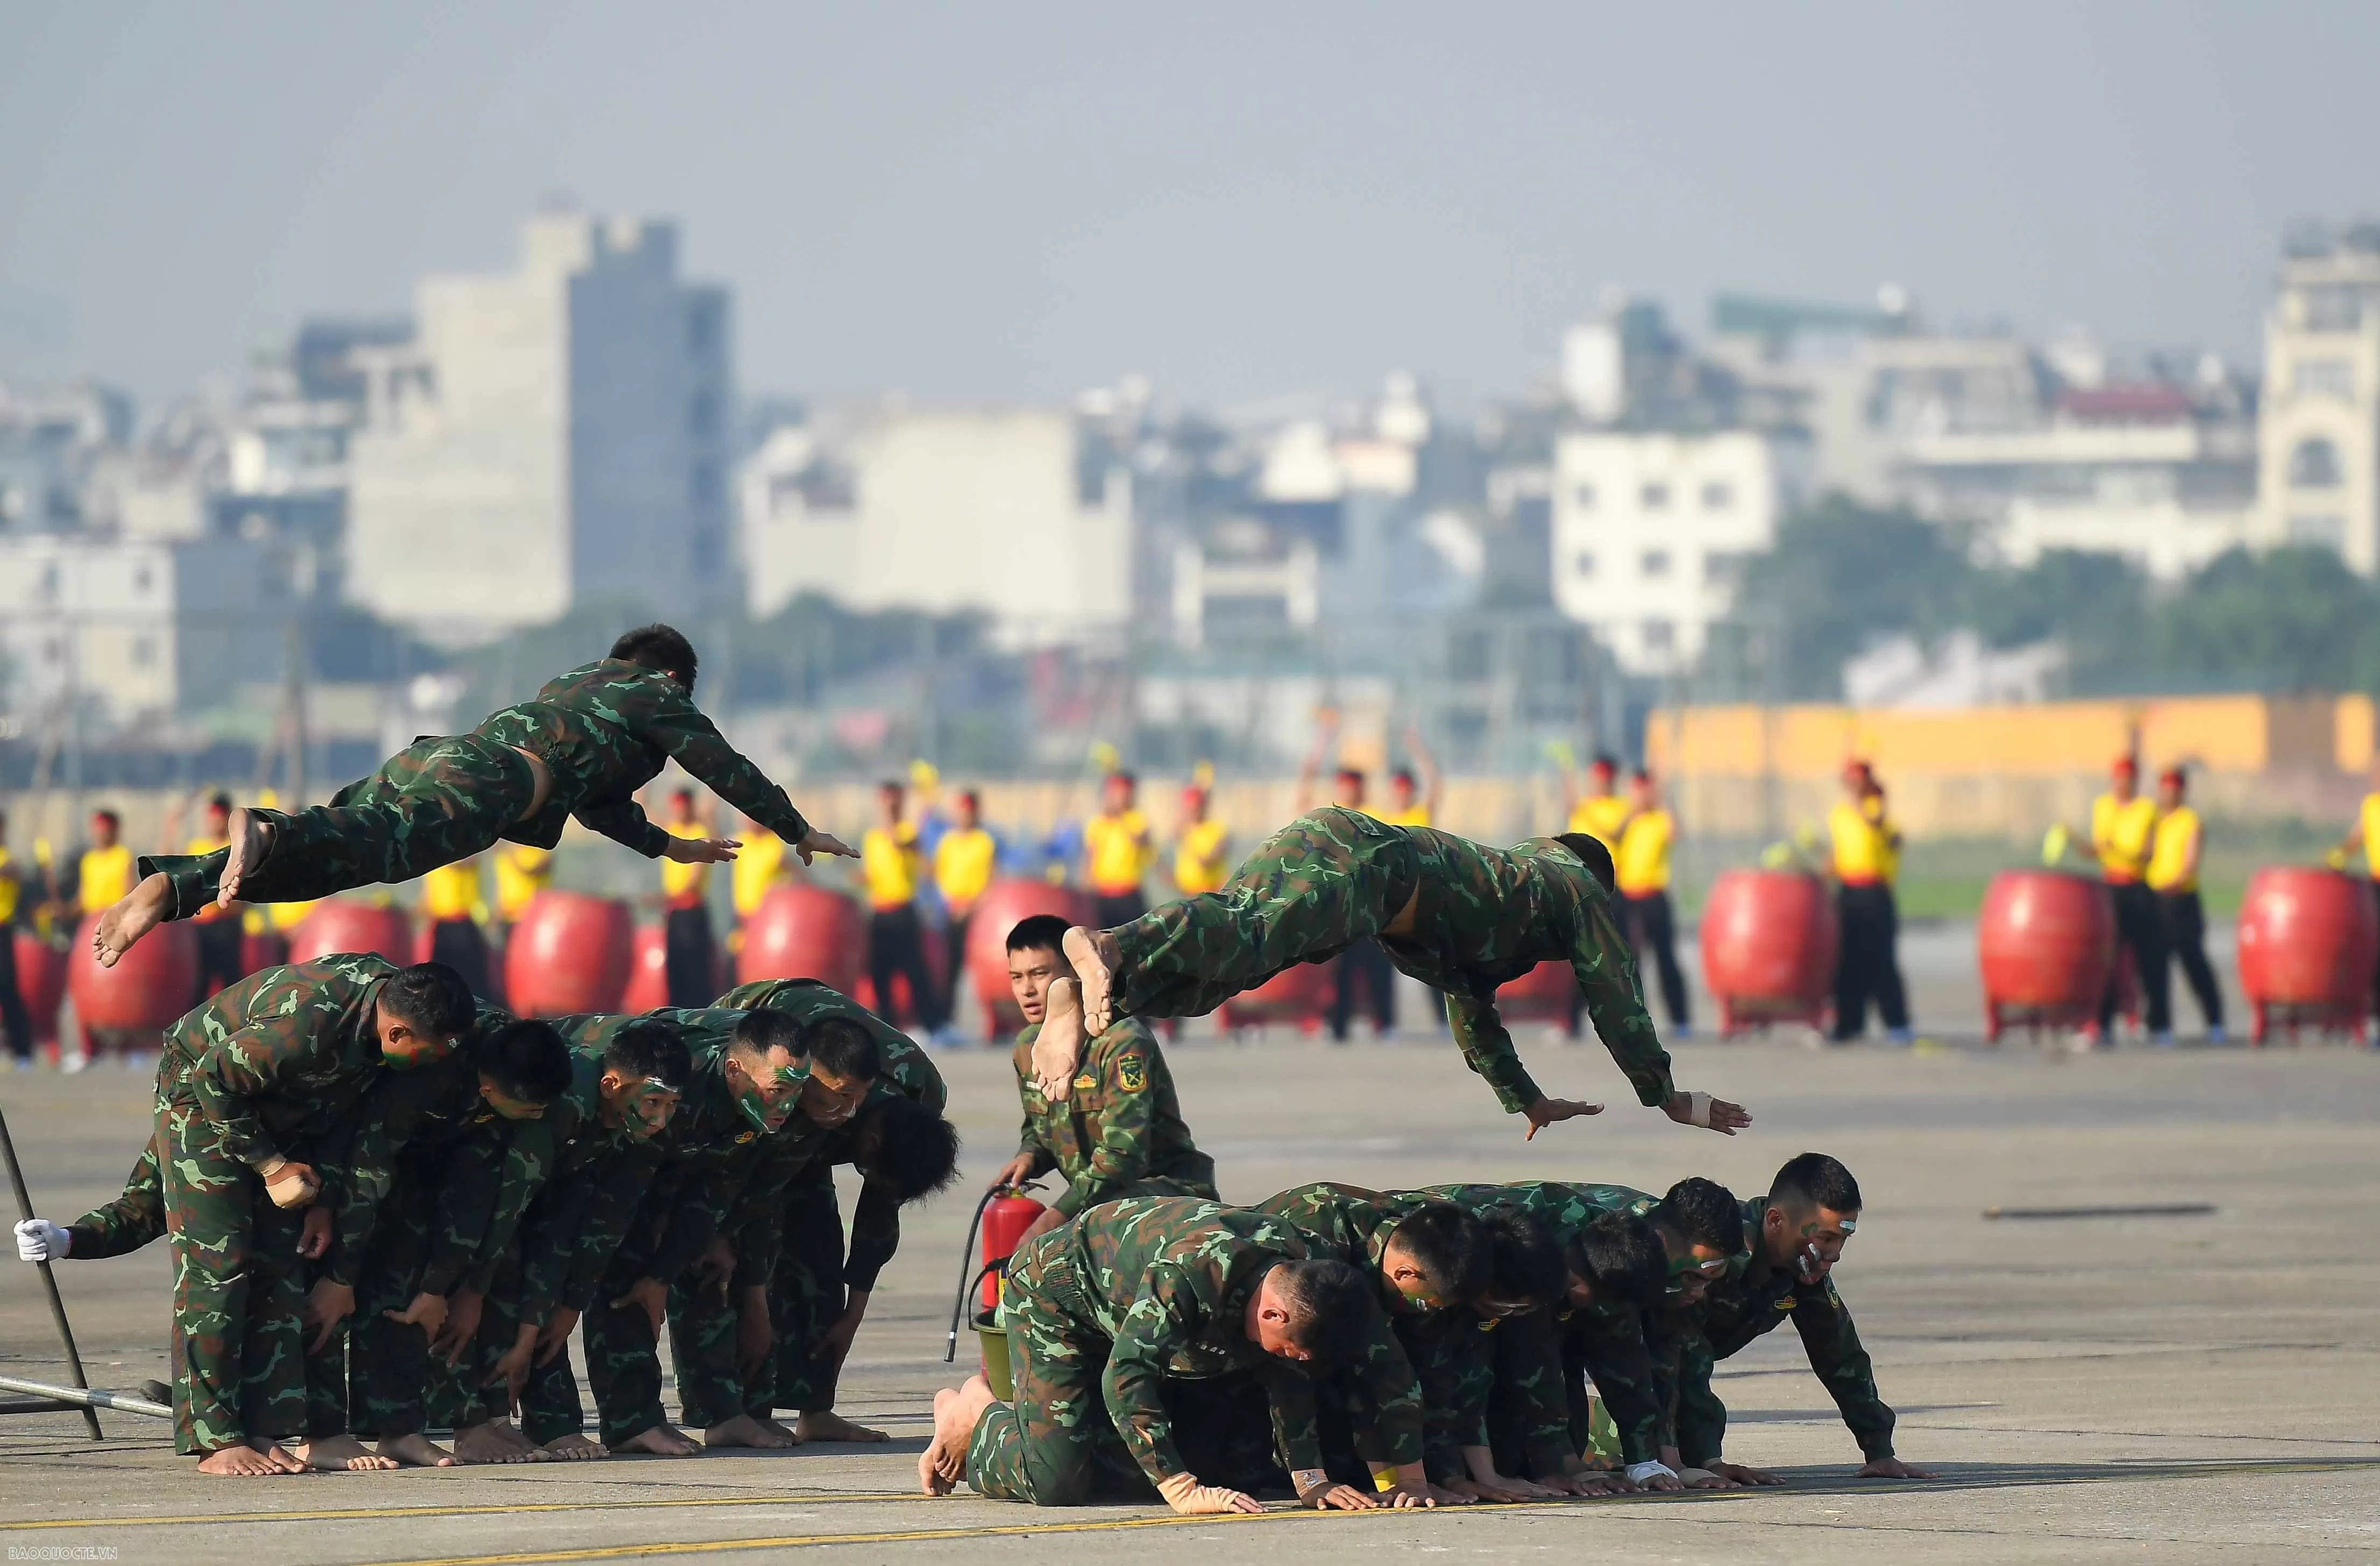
<point x="1093" y="953"/>
<point x="341" y="1454"/>
<point x="281" y="1457"/>
<point x="746" y="1431"/>
<point x="662" y="1441"/>
<point x="793" y="1437"/>
<point x="250" y="837"/>
<point x="239" y="1461"/>
<point x="132" y="915"/>
<point x="943" y="1462"/>
<point x="503" y="1431"/>
<point x="1058" y="1049"/>
<point x="826" y="1425"/>
<point x="574" y="1448"/>
<point x="487" y="1443"/>
<point x="417" y="1451"/>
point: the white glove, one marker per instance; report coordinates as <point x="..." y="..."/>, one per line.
<point x="1640" y="1471"/>
<point x="40" y="1240"/>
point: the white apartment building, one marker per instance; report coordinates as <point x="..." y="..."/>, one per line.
<point x="140" y="627"/>
<point x="2319" y="440"/>
<point x="1651" y="530"/>
<point x="1009" y="511"/>
<point x="551" y="434"/>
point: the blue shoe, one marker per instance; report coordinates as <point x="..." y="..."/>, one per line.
<point x="2215" y="1034"/>
<point x="1901" y="1036"/>
<point x="2162" y="1040"/>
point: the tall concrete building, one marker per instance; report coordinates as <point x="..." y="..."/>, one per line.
<point x="552" y="435"/>
<point x="2319" y="433"/>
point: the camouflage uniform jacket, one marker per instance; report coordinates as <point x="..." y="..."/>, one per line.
<point x="905" y="1063"/>
<point x="1166" y="1281"/>
<point x="587" y="1180"/>
<point x="281" y="1057"/>
<point x="1352" y="1224"/>
<point x="1488" y="916"/>
<point x="1120" y="1122"/>
<point x="1751" y="1300"/>
<point x="604" y="730"/>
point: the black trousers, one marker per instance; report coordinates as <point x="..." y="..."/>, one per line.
<point x="2183" y="921"/>
<point x="461" y="946"/>
<point x="1110" y="909"/>
<point x="13" y="1014"/>
<point x="1652" y="929"/>
<point x="954" y="969"/>
<point x="690" y="959"/>
<point x="1866" y="965"/>
<point x="896" y="945"/>
<point x="219" y="942"/>
<point x="2140" y="927"/>
<point x="1364" y="965"/>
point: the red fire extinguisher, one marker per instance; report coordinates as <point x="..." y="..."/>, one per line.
<point x="1005" y="1223"/>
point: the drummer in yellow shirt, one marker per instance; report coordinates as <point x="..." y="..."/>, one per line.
<point x="1602" y="812"/>
<point x="964" y="862"/>
<point x="2365" y="834"/>
<point x="15" y="1021"/>
<point x="218" y="927"/>
<point x="756" y="872"/>
<point x="1414" y="801"/>
<point x="891" y="865"/>
<point x="690" y="953"/>
<point x="1202" y="845"/>
<point x="452" y="905"/>
<point x="1118" y="848"/>
<point x="2172" y="876"/>
<point x="2123" y="833"/>
<point x="1865" y="859"/>
<point x="1642" y="860"/>
<point x="104" y="868"/>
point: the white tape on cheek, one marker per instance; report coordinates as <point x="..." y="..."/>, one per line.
<point x="1698" y="1108"/>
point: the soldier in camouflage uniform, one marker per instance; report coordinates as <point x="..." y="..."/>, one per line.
<point x="583" y="746"/>
<point x="1117" y="1131"/>
<point x="1796" y="1234"/>
<point x="275" y="1061"/>
<point x="1459" y="917"/>
<point x="1103" y="1310"/>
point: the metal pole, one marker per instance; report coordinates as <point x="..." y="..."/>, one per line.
<point x="86" y="1400"/>
<point x="57" y="1306"/>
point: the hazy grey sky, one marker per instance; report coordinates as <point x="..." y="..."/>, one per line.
<point x="994" y="201"/>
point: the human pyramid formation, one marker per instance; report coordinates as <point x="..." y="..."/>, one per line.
<point x="391" y="1205"/>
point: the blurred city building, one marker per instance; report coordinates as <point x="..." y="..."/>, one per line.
<point x="2320" y="434"/>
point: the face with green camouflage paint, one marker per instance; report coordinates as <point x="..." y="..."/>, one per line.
<point x="404" y="1046"/>
<point x="766" y="1083"/>
<point x="1693" y="1272"/>
<point x="641" y="1104"/>
<point x="1809" y="1240"/>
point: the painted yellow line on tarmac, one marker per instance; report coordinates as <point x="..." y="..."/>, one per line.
<point x="386" y="1513"/>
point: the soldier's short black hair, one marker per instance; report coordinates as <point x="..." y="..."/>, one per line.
<point x="219" y="800"/>
<point x="1593" y="855"/>
<point x="659" y="647"/>
<point x="1814" y="1180"/>
<point x="1706" y="1212"/>
<point x="526" y="1059"/>
<point x="650" y="1049"/>
<point x="916" y="1151"/>
<point x="1404" y="775"/>
<point x="1452" y="1250"/>
<point x="1620" y="1258"/>
<point x="843" y="1047"/>
<point x="1038" y="932"/>
<point x="1528" y="1261"/>
<point x="431" y="999"/>
<point x="764" y="1029"/>
<point x="1334" y="1310"/>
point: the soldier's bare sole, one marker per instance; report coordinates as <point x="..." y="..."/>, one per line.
<point x="746" y="1431"/>
<point x="240" y="1462"/>
<point x="417" y="1451"/>
<point x="1058" y="1049"/>
<point x="574" y="1448"/>
<point x="826" y="1425"/>
<point x="1093" y="955"/>
<point x="662" y="1441"/>
<point x="341" y="1454"/>
<point x="131" y="917"/>
<point x="943" y="1462"/>
<point x="249" y="838"/>
<point x="494" y="1441"/>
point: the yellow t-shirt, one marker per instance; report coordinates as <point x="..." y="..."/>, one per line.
<point x="1118" y="850"/>
<point x="1411" y="816"/>
<point x="287" y="917"/>
<point x="1601" y="818"/>
<point x="683" y="885"/>
<point x="1642" y="857"/>
<point x="2371" y="835"/>
<point x="1199" y="863"/>
<point x="521" y="873"/>
<point x="106" y="877"/>
<point x="2169" y="866"/>
<point x="2121" y="834"/>
<point x="888" y="863"/>
<point x="1864" y="851"/>
<point x="759" y="866"/>
<point x="452" y="891"/>
<point x="963" y="865"/>
<point x="11" y="889"/>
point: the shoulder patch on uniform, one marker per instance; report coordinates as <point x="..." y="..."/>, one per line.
<point x="1133" y="1073"/>
<point x="1086" y="1082"/>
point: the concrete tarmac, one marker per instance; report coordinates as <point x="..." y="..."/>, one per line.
<point x="2141" y="1389"/>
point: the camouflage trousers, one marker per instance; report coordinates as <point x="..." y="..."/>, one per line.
<point x="1527" y="1409"/>
<point x="393" y="1378"/>
<point x="1454" y="1355"/>
<point x="623" y="1364"/>
<point x="1603" y="1385"/>
<point x="806" y="1297"/>
<point x="1323" y="882"/>
<point x="710" y="1386"/>
<point x="442" y="799"/>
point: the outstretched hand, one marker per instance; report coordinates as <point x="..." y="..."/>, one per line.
<point x="701" y="850"/>
<point x="1724" y="1118"/>
<point x="819" y="841"/>
<point x="1547" y="1111"/>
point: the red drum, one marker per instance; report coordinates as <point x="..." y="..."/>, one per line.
<point x="568" y="953"/>
<point x="2046" y="939"/>
<point x="647" y="971"/>
<point x="41" y="982"/>
<point x="802" y="931"/>
<point x="2308" y="940"/>
<point x="1545" y="993"/>
<point x="997" y="912"/>
<point x="148" y="989"/>
<point x="1300" y="994"/>
<point x="1769" y="944"/>
<point x="339" y="924"/>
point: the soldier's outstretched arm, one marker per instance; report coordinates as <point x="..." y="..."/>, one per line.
<point x="695" y="743"/>
<point x="1162" y="1320"/>
<point x="1605" y="970"/>
<point x="1844" y="1369"/>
